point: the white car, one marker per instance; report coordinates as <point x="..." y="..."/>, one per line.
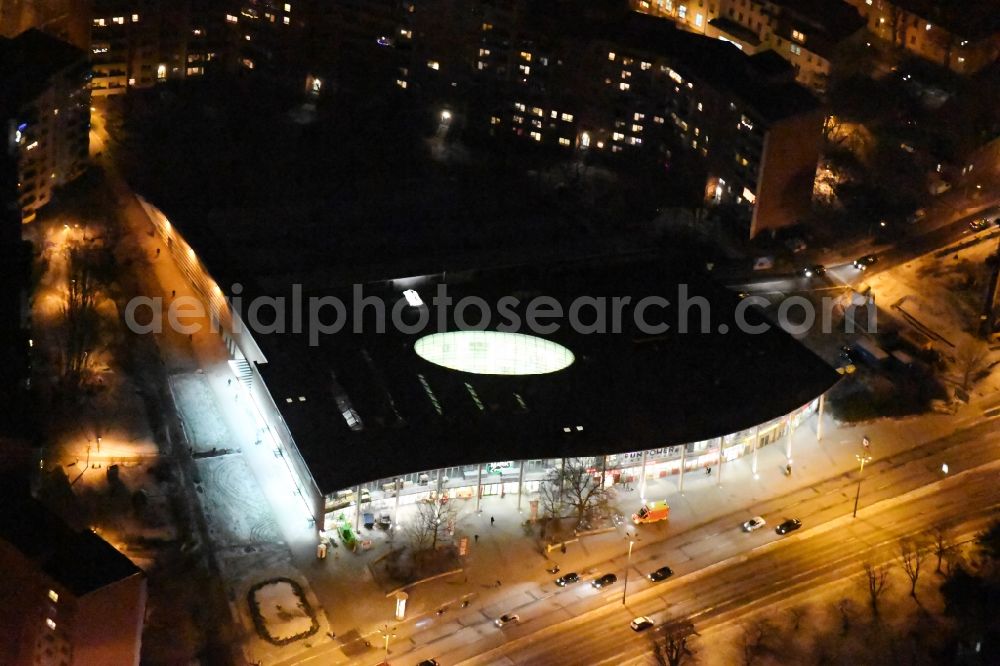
<point x="641" y="623"/>
<point x="507" y="618"/>
<point x="754" y="523"/>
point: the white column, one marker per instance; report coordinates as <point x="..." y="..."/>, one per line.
<point x="642" y="478"/>
<point x="788" y="445"/>
<point x="684" y="451"/>
<point x="399" y="491"/>
<point x="819" y="422"/>
<point x="479" y="486"/>
<point x="520" y="485"/>
<point x="756" y="444"/>
<point x="722" y="459"/>
<point x="357" y="505"/>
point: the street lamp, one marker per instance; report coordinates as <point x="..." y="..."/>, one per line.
<point x="862" y="458"/>
<point x="386" y="634"/>
<point x="631" y="542"/>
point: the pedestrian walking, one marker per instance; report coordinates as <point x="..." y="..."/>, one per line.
<point x="498" y="583"/>
<point x="229" y="382"/>
<point x="173" y="293"/>
<point x="157" y="252"/>
<point x="475" y="537"/>
<point x="492" y="520"/>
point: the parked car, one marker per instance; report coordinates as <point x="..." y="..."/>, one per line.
<point x="754" y="523"/>
<point x="605" y="580"/>
<point x="563" y="581"/>
<point x="862" y="263"/>
<point x="641" y="623"/>
<point x="979" y="224"/>
<point x="812" y="271"/>
<point x="789" y="525"/>
<point x="507" y="618"/>
<point x="662" y="573"/>
<point x="384" y="520"/>
<point x="429" y="662"/>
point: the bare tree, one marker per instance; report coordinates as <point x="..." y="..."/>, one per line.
<point x="877" y="578"/>
<point x="912" y="555"/>
<point x="941" y="544"/>
<point x="970" y="361"/>
<point x="430" y="526"/>
<point x="754" y="640"/>
<point x="80" y="317"/>
<point x="674" y="648"/>
<point x="797" y="613"/>
<point x="573" y="489"/>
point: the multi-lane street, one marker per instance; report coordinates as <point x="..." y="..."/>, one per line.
<point x="722" y="572"/>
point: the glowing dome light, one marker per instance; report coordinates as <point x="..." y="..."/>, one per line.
<point x="494" y="353"/>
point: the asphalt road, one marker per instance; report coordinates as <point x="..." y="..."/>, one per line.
<point x="722" y="572"/>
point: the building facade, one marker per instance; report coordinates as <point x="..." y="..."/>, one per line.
<point x="49" y="100"/>
<point x="70" y="598"/>
<point x="962" y="36"/>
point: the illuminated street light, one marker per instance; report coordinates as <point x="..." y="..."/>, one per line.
<point x="631" y="542"/>
<point x="863" y="458"/>
<point x="386" y="634"/>
<point x="446" y="116"/>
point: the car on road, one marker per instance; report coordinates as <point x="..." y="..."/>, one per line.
<point x="979" y="224"/>
<point x="507" y="618"/>
<point x="812" y="271"/>
<point x="563" y="581"/>
<point x="754" y="523"/>
<point x="662" y="573"/>
<point x="605" y="580"/>
<point x="429" y="662"/>
<point x="789" y="525"/>
<point x="641" y="623"/>
<point x="862" y="263"/>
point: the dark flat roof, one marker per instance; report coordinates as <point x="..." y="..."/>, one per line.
<point x="28" y="61"/>
<point x="972" y="19"/>
<point x="629" y="391"/>
<point x="81" y="561"/>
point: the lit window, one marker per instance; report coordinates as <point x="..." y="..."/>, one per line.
<point x="286" y="20"/>
<point x="196" y="32"/>
<point x="698" y="20"/>
<point x="31" y="146"/>
<point x="563" y="141"/>
<point x="796" y="49"/>
<point x="700" y="107"/>
<point x="161" y="72"/>
<point x="54" y="596"/>
<point x="961" y="59"/>
<point x="494" y="120"/>
<point x="288" y="7"/>
<point x="487" y="27"/>
<point x="658" y="120"/>
<point x="99" y="22"/>
<point x="525" y="69"/>
<point x="537" y="136"/>
<point x="483" y="52"/>
<point x="555" y="114"/>
<point x="637" y="128"/>
<point x="611" y="55"/>
<point x="537" y="111"/>
<point x="50" y="622"/>
<point x="434" y="64"/>
<point x="585" y="140"/>
<point x="231" y="19"/>
<point x="626" y="74"/>
<point x="682" y="12"/>
<point x="617" y="136"/>
<point x="638" y="116"/>
<point x="645" y="65"/>
<point x="568" y="117"/>
<point x="120" y="20"/>
<point x="526" y="56"/>
<point x="406" y="34"/>
<point x="927" y="27"/>
<point x="135" y="18"/>
<point x="623" y="86"/>
<point x="401" y="83"/>
<point x="635" y="141"/>
<point x="798" y="36"/>
<point x="519" y="106"/>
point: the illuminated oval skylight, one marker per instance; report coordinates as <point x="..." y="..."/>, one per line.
<point x="493" y="353"/>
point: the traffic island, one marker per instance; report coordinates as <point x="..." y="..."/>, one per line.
<point x="281" y="615"/>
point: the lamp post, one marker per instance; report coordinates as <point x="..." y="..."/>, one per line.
<point x="386" y="634"/>
<point x="863" y="458"/>
<point x="631" y="542"/>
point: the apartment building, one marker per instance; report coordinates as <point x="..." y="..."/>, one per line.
<point x="963" y="36"/>
<point x="71" y="598"/>
<point x="806" y="33"/>
<point x="45" y="82"/>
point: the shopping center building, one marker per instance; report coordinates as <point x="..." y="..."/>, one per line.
<point x="651" y="370"/>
